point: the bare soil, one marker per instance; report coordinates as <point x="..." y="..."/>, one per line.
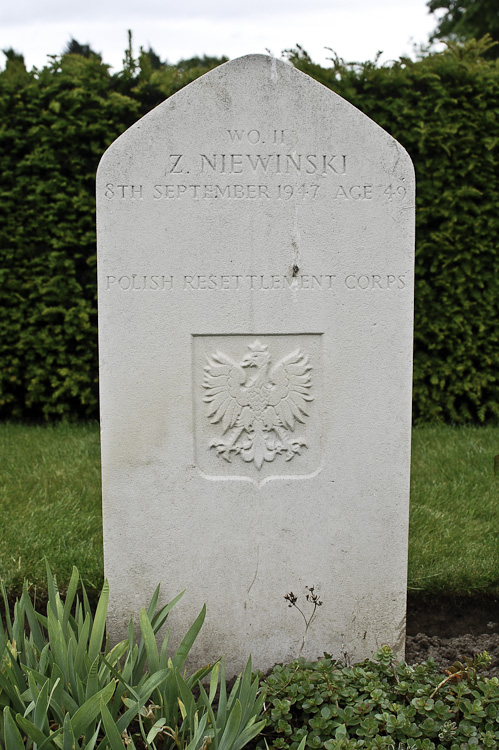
<point x="450" y="629"/>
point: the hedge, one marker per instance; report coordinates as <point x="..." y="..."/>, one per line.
<point x="56" y="123"/>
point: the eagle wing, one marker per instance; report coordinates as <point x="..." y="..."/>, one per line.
<point x="290" y="388"/>
<point x="224" y="393"/>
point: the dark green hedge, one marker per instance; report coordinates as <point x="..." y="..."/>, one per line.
<point x="53" y="128"/>
<point x="56" y="123"/>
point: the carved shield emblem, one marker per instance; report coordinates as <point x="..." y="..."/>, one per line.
<point x="255" y="405"/>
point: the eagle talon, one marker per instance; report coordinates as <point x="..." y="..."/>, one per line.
<point x="222" y="449"/>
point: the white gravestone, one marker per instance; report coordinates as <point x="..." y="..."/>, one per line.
<point x="256" y="237"/>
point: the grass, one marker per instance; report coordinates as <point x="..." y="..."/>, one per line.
<point x="454" y="522"/>
<point x="50" y="506"/>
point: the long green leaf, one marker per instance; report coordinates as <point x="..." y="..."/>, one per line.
<point x="33" y="622"/>
<point x="99" y="625"/>
<point x="113" y="734"/>
<point x="68" y="738"/>
<point x="41" y="707"/>
<point x="8" y="686"/>
<point x="198" y="734"/>
<point x="145" y="692"/>
<point x="81" y="648"/>
<point x="149" y="641"/>
<point x="157" y="621"/>
<point x="58" y="644"/>
<point x="72" y="677"/>
<point x="196" y="677"/>
<point x="188" y="640"/>
<point x="214" y="682"/>
<point x="6" y="609"/>
<point x="208" y="704"/>
<point x="232" y="728"/>
<point x="115" y="655"/>
<point x="154" y="602"/>
<point x="120" y="678"/>
<point x="93" y="739"/>
<point x="248" y="733"/>
<point x="70" y="595"/>
<point x="87" y="713"/>
<point x="86" y="604"/>
<point x="163" y="656"/>
<point x="45" y="657"/>
<point x="34" y="691"/>
<point x="186" y="697"/>
<point x="92" y="679"/>
<point x="245" y="688"/>
<point x="222" y="698"/>
<point x="52" y="602"/>
<point x="31" y="730"/>
<point x="11" y="735"/>
<point x="56" y="693"/>
<point x="159" y="618"/>
<point x="18" y="625"/>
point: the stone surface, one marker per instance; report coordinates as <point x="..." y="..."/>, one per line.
<point x="255" y="263"/>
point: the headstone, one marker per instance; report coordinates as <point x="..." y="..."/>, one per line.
<point x="256" y="237"/>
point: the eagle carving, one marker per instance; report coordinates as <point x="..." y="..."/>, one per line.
<point x="257" y="404"/>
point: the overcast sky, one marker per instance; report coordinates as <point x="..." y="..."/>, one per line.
<point x="175" y="29"/>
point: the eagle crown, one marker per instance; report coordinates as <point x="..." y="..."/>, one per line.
<point x="258" y="356"/>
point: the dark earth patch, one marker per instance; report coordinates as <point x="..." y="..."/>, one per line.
<point x="451" y="629"/>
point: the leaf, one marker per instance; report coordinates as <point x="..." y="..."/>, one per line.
<point x="149" y="640"/>
<point x="99" y="624"/>
<point x="113" y="734"/>
<point x="33" y="621"/>
<point x="231" y="730"/>
<point x="41" y="707"/>
<point x="31" y="730"/>
<point x="68" y="738"/>
<point x="156" y="728"/>
<point x="188" y="640"/>
<point x="87" y="713"/>
<point x="53" y="593"/>
<point x="11" y="736"/>
<point x="81" y="648"/>
<point x="70" y="595"/>
<point x="92" y="686"/>
<point x="248" y="733"/>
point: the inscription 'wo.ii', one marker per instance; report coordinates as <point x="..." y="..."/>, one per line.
<point x="257" y="412"/>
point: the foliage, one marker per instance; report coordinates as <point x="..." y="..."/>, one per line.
<point x="380" y="704"/>
<point x="53" y="131"/>
<point x="56" y="123"/>
<point x="73" y="47"/>
<point x="466" y="19"/>
<point x="63" y="686"/>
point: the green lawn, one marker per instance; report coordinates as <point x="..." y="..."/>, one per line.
<point x="50" y="502"/>
<point x="454" y="522"/>
<point x="50" y="506"/>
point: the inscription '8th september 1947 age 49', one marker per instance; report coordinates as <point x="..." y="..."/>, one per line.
<point x="257" y="413"/>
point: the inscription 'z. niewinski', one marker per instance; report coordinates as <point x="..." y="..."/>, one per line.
<point x="257" y="413"/>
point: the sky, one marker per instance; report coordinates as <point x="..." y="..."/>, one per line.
<point x="355" y="29"/>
